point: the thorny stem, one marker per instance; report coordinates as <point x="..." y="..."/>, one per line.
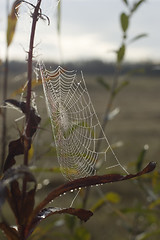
<point x="27" y="140"/>
<point x="29" y="86"/>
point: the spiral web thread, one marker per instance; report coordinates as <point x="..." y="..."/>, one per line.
<point x="75" y="125"/>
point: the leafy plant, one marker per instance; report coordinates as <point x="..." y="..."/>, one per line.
<point x="11" y="26"/>
<point x="18" y="184"/>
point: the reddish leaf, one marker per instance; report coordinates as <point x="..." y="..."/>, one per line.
<point x="82" y="214"/>
<point x="28" y="205"/>
<point x="21" y="206"/>
<point x="16" y="147"/>
<point x="86" y="182"/>
<point x="34" y="119"/>
<point x="21" y="209"/>
<point x="10" y="232"/>
<point x="2" y="193"/>
<point x="14" y="199"/>
<point x="93" y="180"/>
<point x="10" y="176"/>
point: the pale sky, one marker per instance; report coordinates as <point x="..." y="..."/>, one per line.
<point x="90" y="29"/>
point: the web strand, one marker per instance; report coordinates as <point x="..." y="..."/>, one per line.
<point x="75" y="124"/>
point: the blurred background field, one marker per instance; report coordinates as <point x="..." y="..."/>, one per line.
<point x="136" y="125"/>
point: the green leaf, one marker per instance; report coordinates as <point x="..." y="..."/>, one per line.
<point x="124" y="22"/>
<point x="136" y="5"/>
<point x="70" y="222"/>
<point x="104" y="84"/>
<point x="111" y="197"/>
<point x="138" y="37"/>
<point x="121" y="53"/>
<point x="81" y="233"/>
<point x="141" y="156"/>
<point x="30" y="152"/>
<point x="125" y="1"/>
<point x="12" y="21"/>
<point x="154" y="204"/>
<point x="121" y="86"/>
<point x="156" y="181"/>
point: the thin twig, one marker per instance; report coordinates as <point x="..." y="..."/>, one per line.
<point x="109" y="105"/>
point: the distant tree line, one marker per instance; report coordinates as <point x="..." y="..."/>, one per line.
<point x="95" y="67"/>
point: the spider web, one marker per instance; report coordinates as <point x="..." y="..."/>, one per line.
<point x="75" y="124"/>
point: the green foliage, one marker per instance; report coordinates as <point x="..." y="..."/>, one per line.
<point x="103" y="83"/>
<point x="77" y="232"/>
<point x="136" y="5"/>
<point x="150" y="188"/>
<point x="110" y="197"/>
<point x="141" y="157"/>
<point x="121" y="86"/>
<point x="12" y="21"/>
<point x="70" y="222"/>
<point x="113" y="197"/>
<point x="124" y="22"/>
<point x="126" y="2"/>
<point x="81" y="233"/>
<point x="142" y="35"/>
<point x="121" y="53"/>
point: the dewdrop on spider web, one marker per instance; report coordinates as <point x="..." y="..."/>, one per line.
<point x="75" y="124"/>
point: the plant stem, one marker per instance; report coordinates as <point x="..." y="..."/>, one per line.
<point x="104" y="123"/>
<point x="29" y="86"/>
<point x="109" y="105"/>
<point x="4" y="117"/>
<point x="27" y="140"/>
